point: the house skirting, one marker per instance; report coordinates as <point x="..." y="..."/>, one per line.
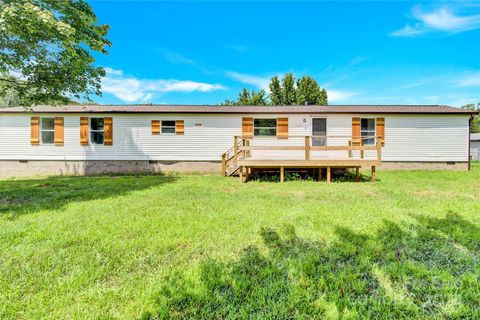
<point x="32" y="168"/>
<point x="424" y="166"/>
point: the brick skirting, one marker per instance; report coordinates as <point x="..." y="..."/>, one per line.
<point x="31" y="168"/>
<point x="424" y="166"/>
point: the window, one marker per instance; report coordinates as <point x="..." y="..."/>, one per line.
<point x="97" y="132"/>
<point x="168" y="127"/>
<point x="367" y="127"/>
<point x="47" y="129"/>
<point x="265" y="127"/>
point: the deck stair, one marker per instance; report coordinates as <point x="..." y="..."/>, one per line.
<point x="230" y="166"/>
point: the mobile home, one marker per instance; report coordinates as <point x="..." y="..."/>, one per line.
<point x="51" y="140"/>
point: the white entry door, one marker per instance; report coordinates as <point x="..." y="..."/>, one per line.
<point x="319" y="131"/>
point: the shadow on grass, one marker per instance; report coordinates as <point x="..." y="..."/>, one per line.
<point x="427" y="270"/>
<point x="19" y="197"/>
<point x="338" y="175"/>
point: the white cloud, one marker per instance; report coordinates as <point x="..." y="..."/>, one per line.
<point x="442" y="19"/>
<point x="174" y="57"/>
<point x="131" y="89"/>
<point x="470" y="80"/>
<point x="339" y="95"/>
<point x="113" y="72"/>
<point x="458" y="100"/>
<point x="259" y="82"/>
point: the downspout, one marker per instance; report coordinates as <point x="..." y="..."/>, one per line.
<point x="469" y="139"/>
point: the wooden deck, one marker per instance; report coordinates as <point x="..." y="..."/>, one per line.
<point x="244" y="158"/>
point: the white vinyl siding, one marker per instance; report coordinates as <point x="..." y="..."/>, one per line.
<point x="207" y="136"/>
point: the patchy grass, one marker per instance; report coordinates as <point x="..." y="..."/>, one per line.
<point x="179" y="246"/>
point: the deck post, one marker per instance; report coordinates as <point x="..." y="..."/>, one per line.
<point x="224" y="165"/>
<point x="282" y="174"/>
<point x="357" y="174"/>
<point x="247" y="144"/>
<point x="235" y="148"/>
<point x="350" y="149"/>
<point x="329" y="175"/>
<point x="373" y="174"/>
<point x="240" y="174"/>
<point x="379" y="151"/>
<point x="307" y="147"/>
<point x="320" y="173"/>
<point x="244" y="152"/>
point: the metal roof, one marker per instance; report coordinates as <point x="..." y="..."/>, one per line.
<point x="333" y="109"/>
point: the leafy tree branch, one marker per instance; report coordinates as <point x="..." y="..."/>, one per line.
<point x="46" y="50"/>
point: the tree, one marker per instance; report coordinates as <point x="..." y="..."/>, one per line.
<point x="249" y="98"/>
<point x="305" y="91"/>
<point x="309" y="92"/>
<point x="289" y="92"/>
<point x="45" y="50"/>
<point x="475" y="125"/>
<point x="275" y="91"/>
<point x="9" y="98"/>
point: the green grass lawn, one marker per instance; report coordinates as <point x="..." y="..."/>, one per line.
<point x="191" y="246"/>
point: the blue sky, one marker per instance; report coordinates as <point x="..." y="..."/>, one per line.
<point x="362" y="52"/>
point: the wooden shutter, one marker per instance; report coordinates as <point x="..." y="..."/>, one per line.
<point x="381" y="130"/>
<point x="247" y="128"/>
<point x="34" y="131"/>
<point x="179" y="127"/>
<point x="108" y="131"/>
<point x="155" y="126"/>
<point x="356" y="135"/>
<point x="282" y="128"/>
<point x="58" y="135"/>
<point x="84" y="131"/>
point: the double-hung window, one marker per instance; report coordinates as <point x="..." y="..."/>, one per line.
<point x="265" y="127"/>
<point x="97" y="131"/>
<point x="168" y="127"/>
<point x="367" y="129"/>
<point x="47" y="129"/>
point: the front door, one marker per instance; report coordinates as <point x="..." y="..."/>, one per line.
<point x="319" y="131"/>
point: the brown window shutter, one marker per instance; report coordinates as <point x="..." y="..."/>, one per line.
<point x="155" y="126"/>
<point x="84" y="131"/>
<point x="381" y="130"/>
<point x="179" y="127"/>
<point x="58" y="134"/>
<point x="247" y="128"/>
<point x="282" y="128"/>
<point x="34" y="131"/>
<point x="356" y="135"/>
<point x="108" y="131"/>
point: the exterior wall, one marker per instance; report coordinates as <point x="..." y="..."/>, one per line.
<point x="31" y="168"/>
<point x="423" y="166"/>
<point x="409" y="138"/>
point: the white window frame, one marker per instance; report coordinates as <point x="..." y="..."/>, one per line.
<point x="47" y="130"/>
<point x="90" y="130"/>
<point x="374" y="137"/>
<point x="163" y="126"/>
<point x="261" y="135"/>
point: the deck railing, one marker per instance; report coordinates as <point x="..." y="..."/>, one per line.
<point x="242" y="148"/>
